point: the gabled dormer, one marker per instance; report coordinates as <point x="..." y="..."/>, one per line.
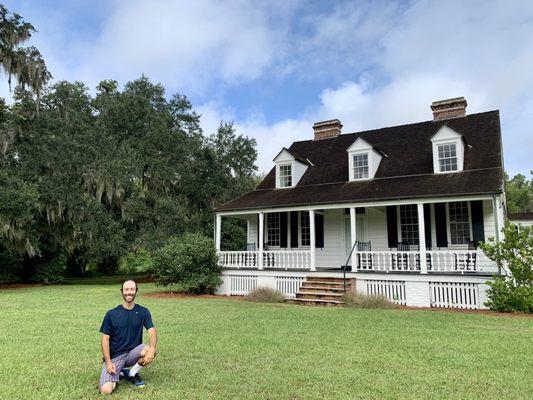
<point x="448" y="151"/>
<point x="363" y="160"/>
<point x="289" y="169"/>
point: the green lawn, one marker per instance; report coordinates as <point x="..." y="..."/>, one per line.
<point x="230" y="349"/>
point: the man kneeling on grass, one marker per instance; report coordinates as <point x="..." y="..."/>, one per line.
<point x="122" y="332"/>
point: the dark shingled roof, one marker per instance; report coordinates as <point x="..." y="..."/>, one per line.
<point x="520" y="216"/>
<point x="407" y="172"/>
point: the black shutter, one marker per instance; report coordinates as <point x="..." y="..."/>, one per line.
<point x="319" y="230"/>
<point x="294" y="228"/>
<point x="427" y="224"/>
<point x="440" y="225"/>
<point x="392" y="226"/>
<point x="283" y="229"/>
<point x="478" y="229"/>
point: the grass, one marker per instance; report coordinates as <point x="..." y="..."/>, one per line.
<point x="231" y="349"/>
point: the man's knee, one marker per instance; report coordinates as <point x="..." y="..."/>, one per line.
<point x="107" y="388"/>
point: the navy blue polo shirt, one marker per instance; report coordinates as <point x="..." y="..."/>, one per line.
<point x="125" y="328"/>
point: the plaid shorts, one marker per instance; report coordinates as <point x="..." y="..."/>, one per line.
<point x="124" y="360"/>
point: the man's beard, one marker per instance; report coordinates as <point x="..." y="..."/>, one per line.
<point x="126" y="299"/>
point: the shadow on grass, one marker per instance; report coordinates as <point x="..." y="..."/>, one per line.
<point x="106" y="280"/>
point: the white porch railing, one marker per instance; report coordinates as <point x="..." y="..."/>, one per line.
<point x="453" y="261"/>
<point x="278" y="259"/>
<point x="392" y="261"/>
<point x="456" y="261"/>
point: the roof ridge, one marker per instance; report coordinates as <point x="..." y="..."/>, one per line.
<point x="396" y="126"/>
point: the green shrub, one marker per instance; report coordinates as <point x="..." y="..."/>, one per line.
<point x="136" y="262"/>
<point x="52" y="271"/>
<point x="513" y="292"/>
<point x="265" y="295"/>
<point x="10" y="266"/>
<point x="189" y="262"/>
<point x="358" y="300"/>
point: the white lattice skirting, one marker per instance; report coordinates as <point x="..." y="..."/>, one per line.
<point x="454" y="295"/>
<point x="392" y="290"/>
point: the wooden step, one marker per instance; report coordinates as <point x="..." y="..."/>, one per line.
<point x="326" y="279"/>
<point x="319" y="295"/>
<point x="308" y="287"/>
<point x="316" y="302"/>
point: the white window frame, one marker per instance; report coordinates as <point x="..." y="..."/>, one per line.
<point x="279" y="177"/>
<point x="267" y="227"/>
<point x="449" y="230"/>
<point x="351" y="155"/>
<point x="399" y="223"/>
<point x="446" y="135"/>
<point x="300" y="238"/>
<point x="354" y="155"/>
<point x="448" y="143"/>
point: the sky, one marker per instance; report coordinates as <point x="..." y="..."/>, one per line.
<point x="276" y="67"/>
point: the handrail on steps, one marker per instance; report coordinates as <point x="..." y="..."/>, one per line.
<point x="346" y="265"/>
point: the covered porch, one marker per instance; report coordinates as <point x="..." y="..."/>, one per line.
<point x="425" y="236"/>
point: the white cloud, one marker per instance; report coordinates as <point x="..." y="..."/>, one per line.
<point x="188" y="45"/>
<point x="431" y="51"/>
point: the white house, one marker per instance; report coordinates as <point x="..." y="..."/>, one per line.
<point x="412" y="201"/>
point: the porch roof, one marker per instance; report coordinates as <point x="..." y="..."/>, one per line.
<point x="473" y="182"/>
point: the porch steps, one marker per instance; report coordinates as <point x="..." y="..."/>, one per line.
<point x="322" y="291"/>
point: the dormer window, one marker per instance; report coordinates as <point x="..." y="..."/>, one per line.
<point x="290" y="167"/>
<point x="448" y="151"/>
<point x="363" y="160"/>
<point x="360" y="166"/>
<point x="447" y="157"/>
<point x="285" y="175"/>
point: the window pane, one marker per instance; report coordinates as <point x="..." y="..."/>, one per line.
<point x="459" y="222"/>
<point x="273" y="229"/>
<point x="285" y="175"/>
<point x="447" y="157"/>
<point x="305" y="230"/>
<point x="360" y="166"/>
<point x="409" y="223"/>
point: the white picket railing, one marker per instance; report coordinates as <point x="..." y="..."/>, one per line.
<point x="238" y="259"/>
<point x="392" y="290"/>
<point x="298" y="259"/>
<point x="389" y="261"/>
<point x="276" y="259"/>
<point x="241" y="285"/>
<point x="453" y="261"/>
<point x="289" y="285"/>
<point x="454" y="294"/>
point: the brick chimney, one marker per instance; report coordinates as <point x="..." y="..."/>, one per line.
<point x="449" y="108"/>
<point x="327" y="129"/>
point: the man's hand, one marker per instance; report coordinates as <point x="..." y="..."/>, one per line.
<point x="111" y="368"/>
<point x="149" y="357"/>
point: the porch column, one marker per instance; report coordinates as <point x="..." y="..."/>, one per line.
<point x="353" y="234"/>
<point x="496" y="212"/>
<point x="218" y="224"/>
<point x="313" y="239"/>
<point x="261" y="231"/>
<point x="422" y="238"/>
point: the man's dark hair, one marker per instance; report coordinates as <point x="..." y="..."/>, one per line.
<point x="127" y="280"/>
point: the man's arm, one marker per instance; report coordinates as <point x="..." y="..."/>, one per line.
<point x="111" y="368"/>
<point x="150" y="354"/>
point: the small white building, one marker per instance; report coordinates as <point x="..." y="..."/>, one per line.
<point x="524" y="219"/>
<point x="400" y="209"/>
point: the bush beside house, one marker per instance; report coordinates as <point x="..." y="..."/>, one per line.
<point x="189" y="263"/>
<point x="513" y="292"/>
